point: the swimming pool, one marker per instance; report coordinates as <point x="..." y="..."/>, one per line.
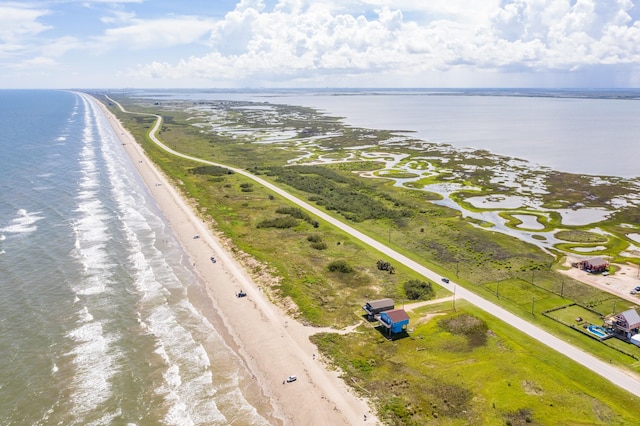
<point x="598" y="331"/>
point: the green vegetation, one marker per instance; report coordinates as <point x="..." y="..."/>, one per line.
<point x="578" y="236"/>
<point x="340" y="266"/>
<point x="418" y="290"/>
<point x="464" y="367"/>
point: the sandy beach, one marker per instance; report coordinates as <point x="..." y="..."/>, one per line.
<point x="272" y="345"/>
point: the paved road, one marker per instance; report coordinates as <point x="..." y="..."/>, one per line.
<point x="626" y="380"/>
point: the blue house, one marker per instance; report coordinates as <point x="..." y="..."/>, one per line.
<point x="396" y="320"/>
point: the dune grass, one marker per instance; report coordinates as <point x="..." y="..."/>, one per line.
<point x="433" y="375"/>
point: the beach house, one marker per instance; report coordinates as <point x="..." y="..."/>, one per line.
<point x="395" y="321"/>
<point x="375" y="307"/>
<point x="593" y="265"/>
<point x="624" y="325"/>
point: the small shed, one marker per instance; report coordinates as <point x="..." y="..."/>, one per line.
<point x="396" y="320"/>
<point x="594" y="265"/>
<point x="374" y="307"/>
<point x="635" y="339"/>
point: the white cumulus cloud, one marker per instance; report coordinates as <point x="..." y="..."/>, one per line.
<point x="305" y="38"/>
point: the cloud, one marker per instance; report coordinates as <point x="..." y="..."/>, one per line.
<point x="18" y="22"/>
<point x="118" y="17"/>
<point x="333" y="42"/>
<point x="568" y="35"/>
<point x="299" y="37"/>
<point x="36" y="62"/>
<point x="155" y="33"/>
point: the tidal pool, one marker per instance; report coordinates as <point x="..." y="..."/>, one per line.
<point x="589" y="249"/>
<point x="497" y="201"/>
<point x="583" y="216"/>
<point x="529" y="221"/>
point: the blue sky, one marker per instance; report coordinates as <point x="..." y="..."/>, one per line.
<point x="328" y="43"/>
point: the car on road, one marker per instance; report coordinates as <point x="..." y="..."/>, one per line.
<point x="445" y="280"/>
<point x="291" y="379"/>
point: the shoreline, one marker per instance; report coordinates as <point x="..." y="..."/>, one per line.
<point x="272" y="345"/>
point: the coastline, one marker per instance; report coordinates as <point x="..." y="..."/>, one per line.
<point x="272" y="345"/>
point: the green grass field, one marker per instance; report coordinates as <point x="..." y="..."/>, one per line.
<point x="432" y="376"/>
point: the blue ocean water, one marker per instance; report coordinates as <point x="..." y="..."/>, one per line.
<point x="100" y="312"/>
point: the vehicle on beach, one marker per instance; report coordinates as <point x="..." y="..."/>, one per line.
<point x="213" y="259"/>
<point x="241" y="294"/>
<point x="291" y="379"/>
<point x="195" y="237"/>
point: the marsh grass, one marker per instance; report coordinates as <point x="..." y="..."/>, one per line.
<point x="433" y="376"/>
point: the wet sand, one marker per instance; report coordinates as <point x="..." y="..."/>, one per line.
<point x="272" y="345"/>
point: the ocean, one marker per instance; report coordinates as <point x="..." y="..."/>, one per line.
<point x="101" y="314"/>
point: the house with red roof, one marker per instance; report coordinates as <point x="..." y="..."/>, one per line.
<point x="395" y="321"/>
<point x="625" y="324"/>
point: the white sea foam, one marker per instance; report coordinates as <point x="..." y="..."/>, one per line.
<point x="94" y="367"/>
<point x="84" y="315"/>
<point x="164" y="312"/>
<point x="93" y="356"/>
<point x="23" y="223"/>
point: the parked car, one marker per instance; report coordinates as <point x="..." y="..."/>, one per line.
<point x="637" y="288"/>
<point x="634" y="291"/>
<point x="291" y="379"/>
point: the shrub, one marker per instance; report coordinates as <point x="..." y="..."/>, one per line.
<point x="319" y="245"/>
<point x="415" y="290"/>
<point x="385" y="266"/>
<point x="297" y="213"/>
<point x="340" y="266"/>
<point x="467" y="325"/>
<point x="211" y="170"/>
<point x="314" y="238"/>
<point x="278" y="222"/>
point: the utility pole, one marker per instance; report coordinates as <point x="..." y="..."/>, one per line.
<point x="533" y="300"/>
<point x="454" y="298"/>
<point x="457" y="267"/>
